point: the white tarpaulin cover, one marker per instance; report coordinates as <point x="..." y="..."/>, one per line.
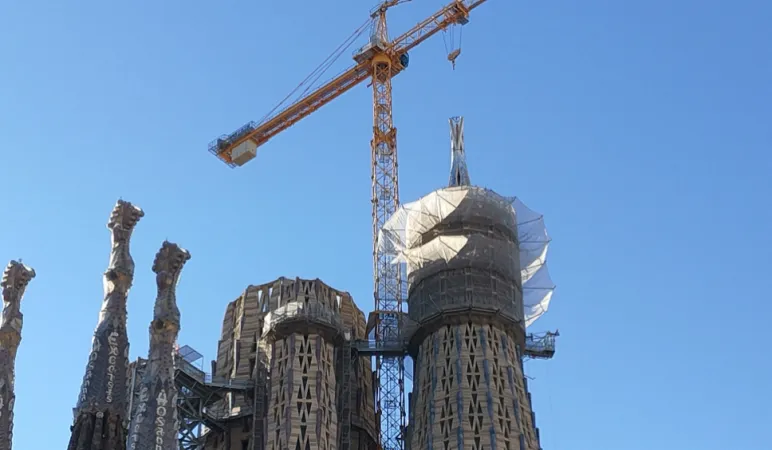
<point x="404" y="233"/>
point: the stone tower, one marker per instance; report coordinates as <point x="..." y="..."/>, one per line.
<point x="100" y="414"/>
<point x="293" y="339"/>
<point x="466" y="321"/>
<point x="15" y="279"/>
<point x="155" y="424"/>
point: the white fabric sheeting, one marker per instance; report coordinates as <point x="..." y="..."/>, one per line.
<point x="402" y="236"/>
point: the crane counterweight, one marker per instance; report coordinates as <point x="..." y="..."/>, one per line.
<point x="244" y="152"/>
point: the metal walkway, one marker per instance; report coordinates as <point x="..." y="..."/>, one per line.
<point x="537" y="346"/>
<point x="197" y="401"/>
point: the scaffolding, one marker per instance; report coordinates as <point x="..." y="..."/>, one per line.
<point x="258" y="418"/>
<point x="540" y="345"/>
<point x="202" y="401"/>
<point x="347" y="362"/>
<point x="537" y="346"/>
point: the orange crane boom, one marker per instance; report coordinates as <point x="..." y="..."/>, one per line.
<point x="381" y="59"/>
<point x="456" y="12"/>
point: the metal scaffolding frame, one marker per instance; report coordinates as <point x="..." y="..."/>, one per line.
<point x="347" y="359"/>
<point x="197" y="402"/>
<point x="537" y="346"/>
<point x="259" y="401"/>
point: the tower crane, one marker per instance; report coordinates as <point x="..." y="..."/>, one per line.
<point x="379" y="60"/>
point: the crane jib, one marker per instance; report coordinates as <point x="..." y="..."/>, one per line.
<point x="237" y="145"/>
<point x="237" y="142"/>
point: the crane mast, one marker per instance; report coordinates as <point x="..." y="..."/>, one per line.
<point x="380" y="59"/>
<point x="386" y="276"/>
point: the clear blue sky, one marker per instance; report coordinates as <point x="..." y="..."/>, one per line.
<point x="640" y="129"/>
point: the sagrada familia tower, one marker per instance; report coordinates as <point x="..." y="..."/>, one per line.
<point x="16" y="277"/>
<point x="101" y="407"/>
<point x="155" y="422"/>
<point x="101" y="413"/>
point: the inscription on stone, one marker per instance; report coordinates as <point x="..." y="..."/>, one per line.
<point x="112" y="359"/>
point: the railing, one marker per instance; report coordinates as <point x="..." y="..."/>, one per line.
<point x="228" y="382"/>
<point x="312" y="312"/>
<point x="207" y="378"/>
<point x="190" y="369"/>
<point x="540" y="345"/>
<point x="427" y="306"/>
<point x="374" y="41"/>
<point x="371" y="347"/>
<point x="225" y="140"/>
<point x="222" y="412"/>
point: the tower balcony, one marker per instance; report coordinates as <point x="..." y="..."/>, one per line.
<point x="303" y="317"/>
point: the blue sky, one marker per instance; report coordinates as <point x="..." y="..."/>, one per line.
<point x="640" y="129"/>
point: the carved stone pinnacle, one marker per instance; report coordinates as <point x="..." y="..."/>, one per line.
<point x="167" y="266"/>
<point x="170" y="259"/>
<point x="155" y="423"/>
<point x="124" y="218"/>
<point x="14" y="282"/>
<point x="16" y="277"/>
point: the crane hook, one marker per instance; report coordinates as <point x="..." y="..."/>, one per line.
<point x="452" y="57"/>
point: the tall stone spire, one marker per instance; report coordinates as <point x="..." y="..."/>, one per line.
<point x="14" y="283"/>
<point x="155" y="424"/>
<point x="101" y="407"/>
<point x="459" y="175"/>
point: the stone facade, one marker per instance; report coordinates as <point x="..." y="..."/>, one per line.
<point x="302" y="413"/>
<point x="469" y="391"/>
<point x="290" y="337"/>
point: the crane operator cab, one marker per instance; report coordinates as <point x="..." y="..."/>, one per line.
<point x="404" y="59"/>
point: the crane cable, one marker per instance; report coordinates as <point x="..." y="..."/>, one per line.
<point x="449" y="35"/>
<point x="320" y="70"/>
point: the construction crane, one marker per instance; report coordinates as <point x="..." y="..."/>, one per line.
<point x="379" y="60"/>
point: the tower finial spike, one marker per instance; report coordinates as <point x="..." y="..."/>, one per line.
<point x="459" y="174"/>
